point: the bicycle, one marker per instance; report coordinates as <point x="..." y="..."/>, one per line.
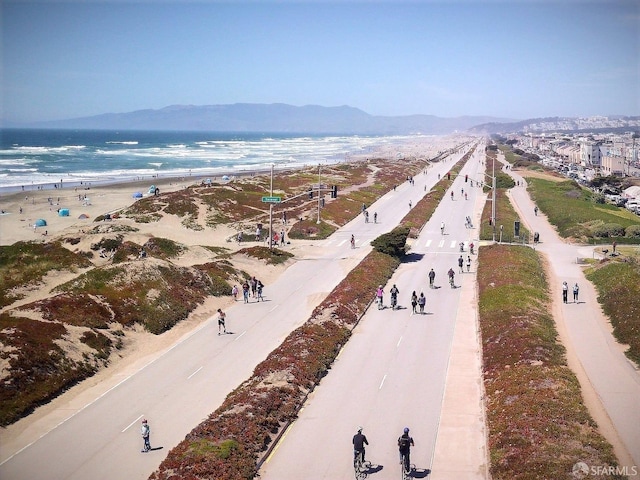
<point x="360" y="465"/>
<point x="405" y="467"/>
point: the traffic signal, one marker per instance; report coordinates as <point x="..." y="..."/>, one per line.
<point x="334" y="191"/>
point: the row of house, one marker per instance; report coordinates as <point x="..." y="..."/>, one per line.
<point x="607" y="154"/>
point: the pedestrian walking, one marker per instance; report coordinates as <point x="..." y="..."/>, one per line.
<point x="414" y="302"/>
<point x="254" y="286"/>
<point x="221" y="322"/>
<point x="422" y="301"/>
<point x="468" y="263"/>
<point x="145" y="430"/>
<point x="613" y="245"/>
<point x="375" y="217"/>
<point x="259" y="288"/>
<point x="281" y="237"/>
<point x="565" y="292"/>
<point x="461" y="263"/>
<point x="432" y="277"/>
<point x="353" y="241"/>
<point x="576" y="289"/>
<point x="245" y="291"/>
<point x="234" y="292"/>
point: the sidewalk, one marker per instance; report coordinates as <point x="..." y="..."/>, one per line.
<point x="610" y="382"/>
<point x="461" y="444"/>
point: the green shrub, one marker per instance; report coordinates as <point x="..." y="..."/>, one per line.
<point x="608" y="230"/>
<point x="392" y="243"/>
<point x="632" y="231"/>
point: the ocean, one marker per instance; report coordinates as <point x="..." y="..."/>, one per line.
<point x="32" y="158"/>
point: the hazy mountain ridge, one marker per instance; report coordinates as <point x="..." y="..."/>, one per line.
<point x="612" y="123"/>
<point x="276" y="118"/>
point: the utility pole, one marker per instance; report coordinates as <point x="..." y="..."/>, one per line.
<point x="271" y="212"/>
<point x="319" y="193"/>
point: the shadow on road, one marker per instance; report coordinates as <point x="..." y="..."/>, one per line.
<point x="412" y="257"/>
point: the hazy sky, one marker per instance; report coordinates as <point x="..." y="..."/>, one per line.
<point x="515" y="59"/>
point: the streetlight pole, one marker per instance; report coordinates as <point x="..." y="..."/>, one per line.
<point x="271" y="212"/>
<point x="319" y="193"/>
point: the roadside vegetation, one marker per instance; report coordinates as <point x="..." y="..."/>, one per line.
<point x="582" y="217"/>
<point x="538" y="426"/>
<point x="506" y="216"/>
<point x="617" y="280"/>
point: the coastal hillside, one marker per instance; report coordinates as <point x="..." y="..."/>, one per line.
<point x="272" y="118"/>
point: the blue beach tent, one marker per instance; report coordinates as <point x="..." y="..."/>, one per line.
<point x="41" y="222"/>
<point x="137" y="195"/>
<point x="63" y="212"/>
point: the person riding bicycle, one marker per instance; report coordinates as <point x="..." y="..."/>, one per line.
<point x="394" y="296"/>
<point x="471" y="248"/>
<point x="359" y="441"/>
<point x="379" y="294"/>
<point x="452" y="275"/>
<point x="404" y="447"/>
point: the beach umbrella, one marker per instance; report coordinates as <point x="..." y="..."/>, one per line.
<point x="137" y="195"/>
<point x="152" y="189"/>
<point x="41" y="222"/>
<point x="225" y="178"/>
<point x="63" y="212"/>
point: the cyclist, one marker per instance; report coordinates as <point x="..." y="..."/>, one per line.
<point x="404" y="446"/>
<point x="452" y="275"/>
<point x="432" y="277"/>
<point x="394" y="296"/>
<point x="471" y="248"/>
<point x="359" y="441"/>
<point x="379" y="294"/>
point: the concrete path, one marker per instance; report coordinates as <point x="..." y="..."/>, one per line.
<point x="610" y="382"/>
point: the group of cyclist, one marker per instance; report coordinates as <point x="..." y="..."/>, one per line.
<point x="405" y="442"/>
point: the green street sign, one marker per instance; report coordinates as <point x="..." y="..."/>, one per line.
<point x="271" y="199"/>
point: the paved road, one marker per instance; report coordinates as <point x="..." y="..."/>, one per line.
<point x="614" y="378"/>
<point x="392" y="372"/>
<point x="177" y="390"/>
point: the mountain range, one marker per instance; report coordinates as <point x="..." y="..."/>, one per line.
<point x="271" y="118"/>
<point x="315" y="119"/>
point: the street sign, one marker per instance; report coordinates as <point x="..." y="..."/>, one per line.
<point x="271" y="199"/>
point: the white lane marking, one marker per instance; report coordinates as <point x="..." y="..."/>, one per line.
<point x="132" y="423"/>
<point x="189" y="377"/>
<point x="276" y="306"/>
<point x="453" y="244"/>
<point x="441" y="244"/>
<point x="342" y="243"/>
<point x="428" y="244"/>
<point x="399" y="342"/>
<point x="238" y="337"/>
<point x="382" y="382"/>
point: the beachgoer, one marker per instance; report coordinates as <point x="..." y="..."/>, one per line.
<point x="379" y="295"/>
<point x="422" y="301"/>
<point x="468" y="263"/>
<point x="461" y="263"/>
<point x="565" y="292"/>
<point x="259" y="288"/>
<point x="353" y="241"/>
<point x="221" y="322"/>
<point x="145" y="430"/>
<point x="245" y="291"/>
<point x="576" y="289"/>
<point x="234" y="292"/>
<point x="432" y="277"/>
<point x="414" y="302"/>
